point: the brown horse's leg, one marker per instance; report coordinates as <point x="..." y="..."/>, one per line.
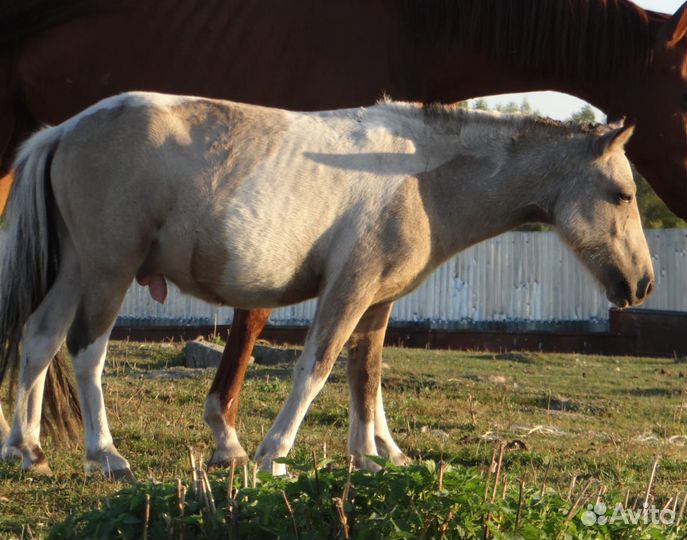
<point x="364" y="380"/>
<point x="5" y="185"/>
<point x="222" y="403"/>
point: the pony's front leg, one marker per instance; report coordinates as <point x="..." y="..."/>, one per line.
<point x="368" y="431"/>
<point x="44" y="332"/>
<point x="386" y="446"/>
<point x="222" y="403"/>
<point x="337" y="315"/>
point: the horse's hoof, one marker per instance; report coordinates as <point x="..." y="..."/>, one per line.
<point x="39" y="469"/>
<point x="268" y="465"/>
<point x="363" y="462"/>
<point x="217" y="462"/>
<point x="278" y="469"/>
<point x="121" y="475"/>
<point x="8" y="453"/>
<point x="110" y="463"/>
<point x="400" y="460"/>
<point x="392" y="452"/>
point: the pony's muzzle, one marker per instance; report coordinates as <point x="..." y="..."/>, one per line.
<point x="623" y="294"/>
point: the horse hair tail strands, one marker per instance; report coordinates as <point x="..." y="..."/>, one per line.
<point x="29" y="267"/>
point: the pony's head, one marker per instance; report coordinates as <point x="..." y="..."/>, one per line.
<point x="596" y="213"/>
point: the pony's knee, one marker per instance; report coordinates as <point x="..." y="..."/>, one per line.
<point x="37" y="355"/>
<point x="41" y="340"/>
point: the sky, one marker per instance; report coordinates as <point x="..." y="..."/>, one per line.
<point x="561" y="106"/>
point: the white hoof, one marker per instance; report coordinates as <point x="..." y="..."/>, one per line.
<point x="31" y="456"/>
<point x="110" y="462"/>
<point x="265" y="460"/>
<point x="363" y="462"/>
<point x="224" y="459"/>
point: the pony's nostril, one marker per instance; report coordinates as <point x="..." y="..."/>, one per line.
<point x="644" y="288"/>
<point x="649" y="288"/>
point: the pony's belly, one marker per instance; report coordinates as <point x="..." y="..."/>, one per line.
<point x="270" y="282"/>
<point x="242" y="292"/>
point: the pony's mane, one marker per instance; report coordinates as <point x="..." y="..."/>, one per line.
<point x="454" y="116"/>
<point x="568" y="38"/>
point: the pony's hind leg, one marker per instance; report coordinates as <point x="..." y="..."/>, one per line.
<point x="338" y="313"/>
<point x="221" y="405"/>
<point x="44" y="332"/>
<point x="87" y="343"/>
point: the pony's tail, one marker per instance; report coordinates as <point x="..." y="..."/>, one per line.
<point x="29" y="266"/>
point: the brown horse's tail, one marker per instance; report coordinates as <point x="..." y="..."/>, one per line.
<point x="30" y="260"/>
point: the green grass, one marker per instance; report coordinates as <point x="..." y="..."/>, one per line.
<point x="587" y="416"/>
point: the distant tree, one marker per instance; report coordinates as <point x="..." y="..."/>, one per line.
<point x="655" y="214"/>
<point x="584" y="115"/>
<point x="480" y="104"/>
<point x="525" y="107"/>
<point x="509" y="108"/>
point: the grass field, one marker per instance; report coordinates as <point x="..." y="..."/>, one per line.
<point x="585" y="416"/>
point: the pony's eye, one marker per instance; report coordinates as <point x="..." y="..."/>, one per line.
<point x="624" y="197"/>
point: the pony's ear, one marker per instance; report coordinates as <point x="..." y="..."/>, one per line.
<point x="613" y="141"/>
<point x="674" y="29"/>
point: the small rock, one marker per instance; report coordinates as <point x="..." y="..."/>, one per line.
<point x="201" y="354"/>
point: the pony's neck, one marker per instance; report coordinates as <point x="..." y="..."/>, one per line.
<point x="592" y="50"/>
<point x="477" y="196"/>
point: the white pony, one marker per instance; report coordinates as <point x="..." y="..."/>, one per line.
<point x="256" y="207"/>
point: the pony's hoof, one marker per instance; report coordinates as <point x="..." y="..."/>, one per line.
<point x="363" y="462"/>
<point x="390" y="451"/>
<point x="121" y="475"/>
<point x="39" y="469"/>
<point x="400" y="459"/>
<point x="278" y="469"/>
<point x="267" y="464"/>
<point x="110" y="463"/>
<point x="33" y="461"/>
<point x="219" y="461"/>
<point x="9" y="453"/>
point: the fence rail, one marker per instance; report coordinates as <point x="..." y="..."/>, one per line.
<point x="518" y="276"/>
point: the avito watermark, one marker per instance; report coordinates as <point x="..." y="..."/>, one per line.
<point x="596" y="515"/>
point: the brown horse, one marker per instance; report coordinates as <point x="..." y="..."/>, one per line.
<point x="60" y="56"/>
